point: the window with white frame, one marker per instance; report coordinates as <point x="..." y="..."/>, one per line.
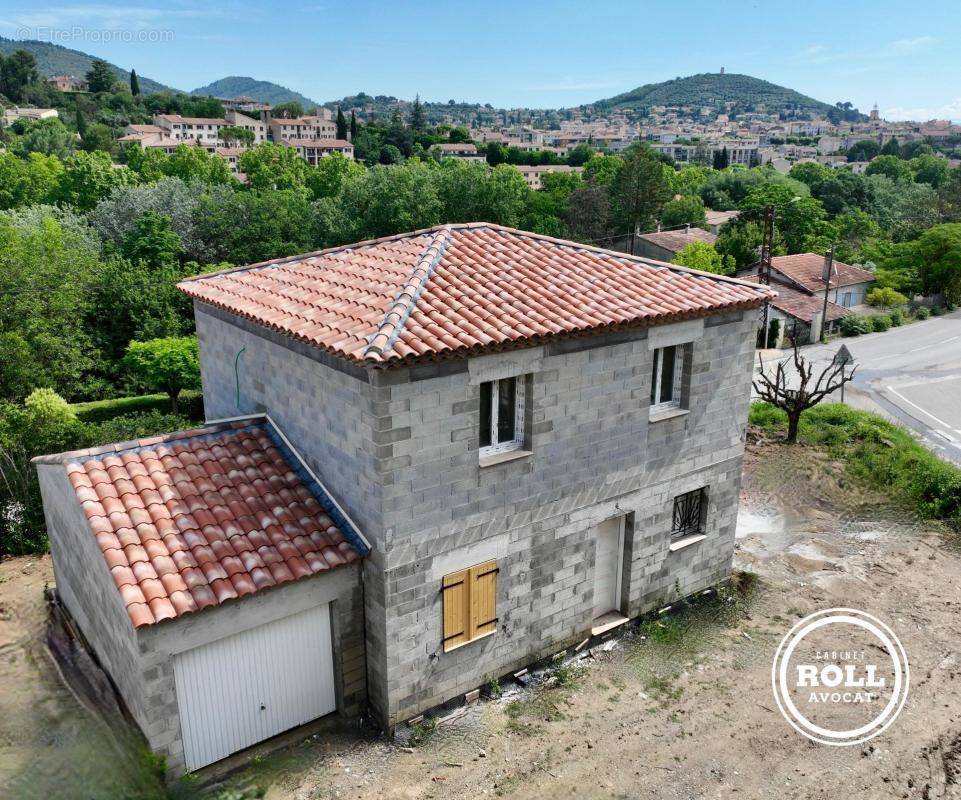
<point x="501" y="416"/>
<point x="668" y="373"/>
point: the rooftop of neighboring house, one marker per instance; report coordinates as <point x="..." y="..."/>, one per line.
<point x="320" y="144"/>
<point x="675" y="241"/>
<point x="801" y="305"/>
<point x="806" y="269"/>
<point x="134" y="128"/>
<point x="720" y="217"/>
<point x="547" y="168"/>
<point x="196" y="518"/>
<point x="454" y="291"/>
<point x="177" y="119"/>
<point x="450" y="147"/>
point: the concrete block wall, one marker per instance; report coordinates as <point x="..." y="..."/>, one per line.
<point x="595" y="454"/>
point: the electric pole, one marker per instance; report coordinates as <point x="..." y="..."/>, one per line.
<point x="826" y="277"/>
<point x="764" y="265"/>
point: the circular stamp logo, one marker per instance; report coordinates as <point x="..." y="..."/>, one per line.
<point x="840" y="676"/>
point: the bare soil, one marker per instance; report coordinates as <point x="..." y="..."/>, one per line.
<point x="679" y="708"/>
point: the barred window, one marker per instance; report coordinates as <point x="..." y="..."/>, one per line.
<point x="690" y="510"/>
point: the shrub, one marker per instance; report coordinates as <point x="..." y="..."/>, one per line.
<point x="853" y="325"/>
<point x="936" y="311"/>
<point x="896" y="317"/>
<point x="921" y="313"/>
<point x="886" y="297"/>
<point x="881" y="322"/>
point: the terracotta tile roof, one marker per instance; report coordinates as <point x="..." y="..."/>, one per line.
<point x="802" y="305"/>
<point x="196" y="518"/>
<point x="457" y="290"/>
<point x="806" y="269"/>
<point x="320" y="144"/>
<point x="675" y="241"/>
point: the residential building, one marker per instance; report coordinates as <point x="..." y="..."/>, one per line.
<point x="462" y="152"/>
<point x="445" y="455"/>
<point x="68" y="83"/>
<point x="717" y="219"/>
<point x="665" y="245"/>
<point x="312" y="150"/>
<point x="311" y="127"/>
<point x="199" y="130"/>
<point x="260" y="129"/>
<point x="533" y="174"/>
<point x="11" y="115"/>
<point x="849" y="284"/>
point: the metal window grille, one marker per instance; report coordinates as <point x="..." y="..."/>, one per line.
<point x="688" y="514"/>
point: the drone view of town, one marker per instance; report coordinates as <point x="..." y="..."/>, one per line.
<point x="594" y="435"/>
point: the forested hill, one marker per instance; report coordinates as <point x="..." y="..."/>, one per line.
<point x="262" y="91"/>
<point x="53" y="59"/>
<point x="713" y="90"/>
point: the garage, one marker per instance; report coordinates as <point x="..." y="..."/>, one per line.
<point x="245" y="688"/>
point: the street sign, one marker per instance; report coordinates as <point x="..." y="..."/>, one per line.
<point x="842" y="357"/>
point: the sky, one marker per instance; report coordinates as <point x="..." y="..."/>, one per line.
<point x="903" y="56"/>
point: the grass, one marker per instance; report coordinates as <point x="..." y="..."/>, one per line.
<point x="191" y="405"/>
<point x="545" y="702"/>
<point x="878" y="454"/>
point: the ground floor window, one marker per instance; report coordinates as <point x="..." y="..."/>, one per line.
<point x="690" y="514"/>
<point x="470" y="604"/>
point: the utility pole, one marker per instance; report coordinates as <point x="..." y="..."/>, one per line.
<point x="826" y="276"/>
<point x="764" y="265"/>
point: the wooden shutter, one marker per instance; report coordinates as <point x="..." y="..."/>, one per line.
<point x="456" y="591"/>
<point x="483" y="599"/>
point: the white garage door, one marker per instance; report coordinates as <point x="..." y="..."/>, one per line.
<point x="245" y="688"/>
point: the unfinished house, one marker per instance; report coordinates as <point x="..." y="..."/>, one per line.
<point x="432" y="459"/>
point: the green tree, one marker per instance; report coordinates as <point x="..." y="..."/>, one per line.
<point x="80" y="123"/>
<point x="684" y="210"/>
<point x="152" y="241"/>
<point x="639" y="190"/>
<point x="418" y="120"/>
<point x="891" y="148"/>
<point x="100" y="77"/>
<point x="192" y="163"/>
<point x="580" y="155"/>
<point x="891" y="166"/>
<point x="134" y="83"/>
<point x="169" y="365"/>
<point x="721" y="159"/>
<point x="949" y="197"/>
<point x="864" y="150"/>
<point x="28" y="181"/>
<point x="289" y="110"/>
<point x="353" y="125"/>
<point x="886" y="297"/>
<point x="856" y="230"/>
<point x="931" y="170"/>
<point x="17" y="72"/>
<point x="99" y="137"/>
<point x="459" y="135"/>
<point x="801" y="224"/>
<point x="937" y="257"/>
<point x="47" y="136"/>
<point x="273" y="166"/>
<point x="232" y="134"/>
<point x="588" y="214"/>
<point x="703" y="256"/>
<point x="341" y="124"/>
<point x="496" y="153"/>
<point x="329" y="176"/>
<point x="741" y="240"/>
<point x="88" y="178"/>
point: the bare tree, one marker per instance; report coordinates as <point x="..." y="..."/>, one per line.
<point x="776" y="390"/>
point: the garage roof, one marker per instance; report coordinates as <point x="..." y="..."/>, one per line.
<point x="457" y="290"/>
<point x="193" y="519"/>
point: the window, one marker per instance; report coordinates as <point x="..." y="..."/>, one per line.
<point x="470" y="604"/>
<point x="668" y="370"/>
<point x="847" y="300"/>
<point x="501" y="416"/>
<point x="690" y="510"/>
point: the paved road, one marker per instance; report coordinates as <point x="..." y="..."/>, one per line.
<point x="910" y="374"/>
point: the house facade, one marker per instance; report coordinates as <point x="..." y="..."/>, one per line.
<point x="529" y="440"/>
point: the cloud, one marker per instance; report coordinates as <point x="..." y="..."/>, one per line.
<point x="950" y="110"/>
<point x="909" y="45"/>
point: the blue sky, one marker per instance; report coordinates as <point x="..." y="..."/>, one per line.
<point x="904" y="56"/>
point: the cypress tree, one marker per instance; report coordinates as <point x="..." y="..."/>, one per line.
<point x="353" y="125"/>
<point x="134" y="83"/>
<point x="341" y="124"/>
<point x="81" y="124"/>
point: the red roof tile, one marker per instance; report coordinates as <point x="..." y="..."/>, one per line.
<point x="806" y="270"/>
<point x="802" y="305"/>
<point x="172" y="531"/>
<point x="456" y="290"/>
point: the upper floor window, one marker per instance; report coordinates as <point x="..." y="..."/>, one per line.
<point x="501" y="416"/>
<point x="668" y="372"/>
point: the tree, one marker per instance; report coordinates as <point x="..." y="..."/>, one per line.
<point x="639" y="190"/>
<point x="471" y="192"/>
<point x="134" y="83"/>
<point x="353" y="125"/>
<point x="80" y="123"/>
<point x="341" y="124"/>
<point x="885" y="297"/>
<point x="169" y="365"/>
<point x="796" y="394"/>
<point x="891" y="166"/>
<point x="289" y="110"/>
<point x="496" y="153"/>
<point x="949" y="197"/>
<point x="99" y="137"/>
<point x="329" y="176"/>
<point x="28" y="181"/>
<point x="100" y="77"/>
<point x="459" y="135"/>
<point x="703" y="256"/>
<point x="48" y="136"/>
<point x="418" y="120"/>
<point x="588" y="214"/>
<point x="152" y="240"/>
<point x="937" y="257"/>
<point x="602" y="169"/>
<point x="931" y="170"/>
<point x="192" y="163"/>
<point x="684" y="210"/>
<point x="17" y="72"/>
<point x="891" y="147"/>
<point x="721" y="159"/>
<point x="88" y="178"/>
<point x="580" y="155"/>
<point x="864" y="150"/>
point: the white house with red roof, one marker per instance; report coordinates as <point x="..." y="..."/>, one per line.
<point x="432" y="458"/>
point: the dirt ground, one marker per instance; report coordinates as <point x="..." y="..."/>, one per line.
<point x="678" y="708"/>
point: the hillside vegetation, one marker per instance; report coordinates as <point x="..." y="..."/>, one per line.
<point x="53" y="59"/>
<point x="713" y="90"/>
<point x="262" y="91"/>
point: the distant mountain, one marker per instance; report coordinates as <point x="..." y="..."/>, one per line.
<point x="52" y="59"/>
<point x="713" y="90"/>
<point x="263" y="91"/>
